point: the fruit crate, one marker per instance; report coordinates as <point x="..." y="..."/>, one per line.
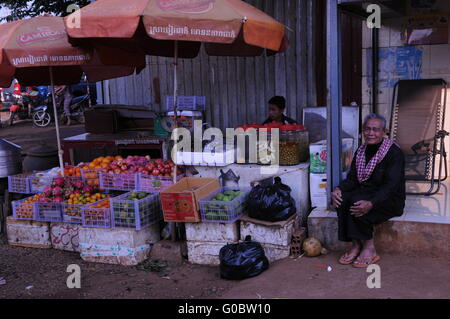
<point x="135" y="214"/>
<point x="118" y="182"/>
<point x="39" y="181"/>
<point x="187" y="103"/>
<point x="91" y="176"/>
<point x="20" y="183"/>
<point x="71" y="213"/>
<point x="96" y="217"/>
<point x="48" y="212"/>
<point x="214" y="211"/>
<point x="22" y="210"/>
<point x="150" y="183"/>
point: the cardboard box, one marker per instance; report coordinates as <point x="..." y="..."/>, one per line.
<point x="180" y="202"/>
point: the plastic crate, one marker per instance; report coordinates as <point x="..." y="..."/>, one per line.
<point x="149" y="183"/>
<point x="187" y="103"/>
<point x="118" y="182"/>
<point x="222" y="212"/>
<point x="91" y="176"/>
<point x="22" y="210"/>
<point x="20" y="183"/>
<point x="48" y="212"/>
<point x="135" y="214"/>
<point x="96" y="217"/>
<point x="71" y="213"/>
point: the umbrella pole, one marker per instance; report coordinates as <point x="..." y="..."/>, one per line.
<point x="175" y="88"/>
<point x="55" y="112"/>
<point x="175" y="93"/>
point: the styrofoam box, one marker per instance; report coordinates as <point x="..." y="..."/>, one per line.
<point x="65" y="236"/>
<point x="204" y="252"/>
<point x="318" y="190"/>
<point x="126" y="247"/>
<point x="273" y="235"/>
<point x="276" y="252"/>
<point x="27" y="233"/>
<point x="212" y="232"/>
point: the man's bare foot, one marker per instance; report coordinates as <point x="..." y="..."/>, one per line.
<point x="367" y="256"/>
<point x="351" y="255"/>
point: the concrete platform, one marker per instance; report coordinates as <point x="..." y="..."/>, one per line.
<point x="409" y="234"/>
<point x="424" y="228"/>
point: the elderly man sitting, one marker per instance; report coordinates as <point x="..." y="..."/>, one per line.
<point x="373" y="192"/>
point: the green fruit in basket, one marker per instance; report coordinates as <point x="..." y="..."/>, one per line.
<point x="226" y="199"/>
<point x="229" y="193"/>
<point x="219" y="196"/>
<point x="142" y="195"/>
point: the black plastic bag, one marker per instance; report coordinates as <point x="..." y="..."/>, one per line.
<point x="242" y="260"/>
<point x="271" y="203"/>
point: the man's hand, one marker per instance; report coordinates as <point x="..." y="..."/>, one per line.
<point x="361" y="208"/>
<point x="336" y="197"/>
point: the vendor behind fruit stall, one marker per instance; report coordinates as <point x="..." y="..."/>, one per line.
<point x="277" y="105"/>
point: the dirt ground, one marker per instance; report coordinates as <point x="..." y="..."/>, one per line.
<point x="303" y="278"/>
<point x="43" y="271"/>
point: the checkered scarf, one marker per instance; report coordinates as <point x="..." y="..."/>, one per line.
<point x="365" y="171"/>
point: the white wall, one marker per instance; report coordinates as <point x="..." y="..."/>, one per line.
<point x="435" y="64"/>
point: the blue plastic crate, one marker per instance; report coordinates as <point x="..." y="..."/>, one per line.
<point x="213" y="211"/>
<point x="22" y="210"/>
<point x="20" y="183"/>
<point x="135" y="214"/>
<point x="187" y="103"/>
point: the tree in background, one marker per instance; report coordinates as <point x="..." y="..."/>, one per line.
<point x="20" y="9"/>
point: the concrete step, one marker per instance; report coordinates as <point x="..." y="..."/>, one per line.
<point x="404" y="235"/>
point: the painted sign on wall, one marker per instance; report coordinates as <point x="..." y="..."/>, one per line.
<point x="397" y="63"/>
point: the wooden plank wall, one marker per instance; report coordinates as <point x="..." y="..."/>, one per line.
<point x="237" y="89"/>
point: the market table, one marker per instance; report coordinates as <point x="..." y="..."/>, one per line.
<point x="89" y="143"/>
<point x="242" y="175"/>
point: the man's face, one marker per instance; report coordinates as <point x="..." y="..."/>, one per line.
<point x="275" y="113"/>
<point x="373" y="131"/>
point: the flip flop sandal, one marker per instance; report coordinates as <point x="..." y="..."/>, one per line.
<point x="347" y="258"/>
<point x="364" y="262"/>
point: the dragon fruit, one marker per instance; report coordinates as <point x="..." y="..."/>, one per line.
<point x="57" y="191"/>
<point x="88" y="189"/>
<point x="59" y="181"/>
<point x="58" y="199"/>
<point x="48" y="191"/>
<point x="79" y="184"/>
<point x="43" y="199"/>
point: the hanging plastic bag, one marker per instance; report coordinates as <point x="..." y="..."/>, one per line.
<point x="271" y="203"/>
<point x="242" y="260"/>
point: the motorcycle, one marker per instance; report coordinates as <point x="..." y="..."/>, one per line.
<point x="43" y="114"/>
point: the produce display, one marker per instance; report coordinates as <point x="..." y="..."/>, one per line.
<point x="65" y="189"/>
<point x="225" y="206"/>
<point x="23" y="209"/>
<point x="135" y="210"/>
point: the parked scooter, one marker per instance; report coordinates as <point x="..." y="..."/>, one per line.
<point x="43" y="114"/>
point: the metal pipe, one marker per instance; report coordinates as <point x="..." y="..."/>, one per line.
<point x="334" y="121"/>
<point x="375" y="63"/>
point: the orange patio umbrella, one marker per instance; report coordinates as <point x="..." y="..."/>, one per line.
<point x="176" y="28"/>
<point x="228" y="27"/>
<point x="37" y="51"/>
